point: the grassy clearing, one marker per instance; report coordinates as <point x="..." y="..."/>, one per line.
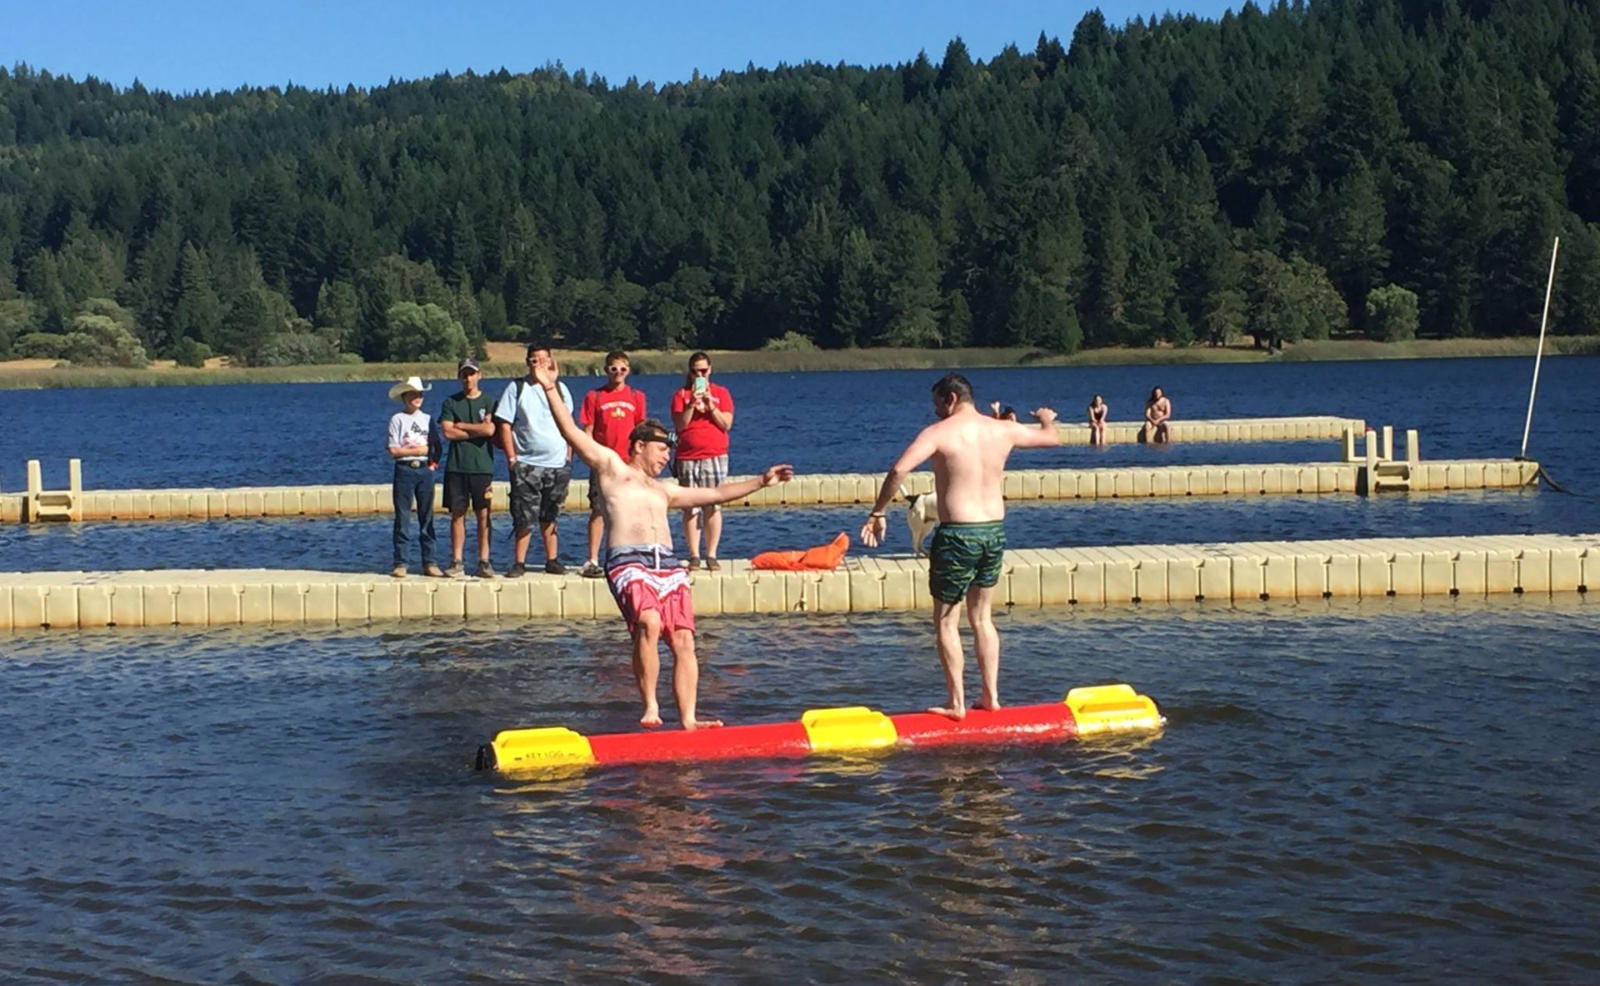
<point x="506" y="360"/>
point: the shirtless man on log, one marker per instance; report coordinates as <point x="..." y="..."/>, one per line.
<point x="650" y="587"/>
<point x="969" y="451"/>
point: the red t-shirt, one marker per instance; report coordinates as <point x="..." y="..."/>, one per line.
<point x="702" y="439"/>
<point x="613" y="414"/>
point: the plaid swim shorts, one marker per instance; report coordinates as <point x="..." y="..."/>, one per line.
<point x="701" y="472"/>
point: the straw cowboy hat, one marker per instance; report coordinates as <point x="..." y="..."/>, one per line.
<point x="406" y="386"/>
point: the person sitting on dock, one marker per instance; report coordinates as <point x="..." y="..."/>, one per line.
<point x="1098" y="411"/>
<point x="650" y="587"/>
<point x="1006" y="413"/>
<point x="1157" y="414"/>
<point x="969" y="452"/>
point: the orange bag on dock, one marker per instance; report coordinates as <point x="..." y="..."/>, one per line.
<point x="823" y="556"/>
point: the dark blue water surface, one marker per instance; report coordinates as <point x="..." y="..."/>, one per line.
<point x="1384" y="791"/>
<point x="297" y="434"/>
<point x="824" y="422"/>
<point x="1378" y="792"/>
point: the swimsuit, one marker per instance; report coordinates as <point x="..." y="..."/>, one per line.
<point x="646" y="577"/>
<point x="965" y="555"/>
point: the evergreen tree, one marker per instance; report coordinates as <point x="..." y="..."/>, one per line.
<point x="196" y="309"/>
<point x="1433" y="146"/>
<point x="855" y="304"/>
<point x="911" y="285"/>
<point x="42" y="282"/>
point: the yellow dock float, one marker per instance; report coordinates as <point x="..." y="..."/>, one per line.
<point x="1533" y="564"/>
<point x="1244" y="479"/>
<point x="1292" y="429"/>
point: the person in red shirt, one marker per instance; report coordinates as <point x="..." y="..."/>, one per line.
<point x="609" y="416"/>
<point x="702" y="412"/>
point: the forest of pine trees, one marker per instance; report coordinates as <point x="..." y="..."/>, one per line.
<point x="1389" y="167"/>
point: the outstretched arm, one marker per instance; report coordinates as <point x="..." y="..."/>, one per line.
<point x="918" y="452"/>
<point x="590" y="451"/>
<point x="1043" y="436"/>
<point x="682" y="497"/>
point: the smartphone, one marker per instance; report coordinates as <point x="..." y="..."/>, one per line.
<point x="701" y="385"/>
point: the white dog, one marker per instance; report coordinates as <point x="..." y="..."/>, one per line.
<point x="922" y="516"/>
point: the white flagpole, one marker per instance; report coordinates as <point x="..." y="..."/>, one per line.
<point x="1539" y="353"/>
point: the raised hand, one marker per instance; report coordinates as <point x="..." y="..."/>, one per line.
<point x="546" y="372"/>
<point x="777" y="474"/>
<point x="1045" y="416"/>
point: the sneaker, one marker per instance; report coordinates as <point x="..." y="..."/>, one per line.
<point x="712" y="565"/>
<point x="554" y="567"/>
<point x="485" y="570"/>
<point x="455" y="571"/>
<point x="591" y="570"/>
<point x="517" y="570"/>
<point x="431" y="570"/>
<point x="693" y="564"/>
<point x="399" y="572"/>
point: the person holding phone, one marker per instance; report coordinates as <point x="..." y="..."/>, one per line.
<point x="702" y="412"/>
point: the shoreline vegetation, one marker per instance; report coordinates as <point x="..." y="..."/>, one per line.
<point x="505" y="360"/>
<point x="1287" y="172"/>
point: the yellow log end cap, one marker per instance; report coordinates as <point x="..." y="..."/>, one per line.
<point x="540" y="747"/>
<point x="1108" y="710"/>
<point x="848" y="729"/>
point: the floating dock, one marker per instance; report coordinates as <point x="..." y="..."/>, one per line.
<point x="1094" y="712"/>
<point x="1251" y="479"/>
<point x="1291" y="429"/>
<point x="1533" y="564"/>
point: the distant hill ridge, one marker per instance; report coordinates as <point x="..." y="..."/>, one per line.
<point x="1393" y="166"/>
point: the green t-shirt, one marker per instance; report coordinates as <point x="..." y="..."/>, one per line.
<point x="470" y="455"/>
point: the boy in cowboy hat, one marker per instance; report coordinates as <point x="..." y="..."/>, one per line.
<point x="414" y="460"/>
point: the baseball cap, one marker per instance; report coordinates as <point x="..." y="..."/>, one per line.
<point x="467" y="365"/>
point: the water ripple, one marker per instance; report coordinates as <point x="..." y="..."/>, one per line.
<point x="1392" y="791"/>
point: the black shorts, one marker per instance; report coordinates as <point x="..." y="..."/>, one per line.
<point x="537" y="493"/>
<point x="460" y="488"/>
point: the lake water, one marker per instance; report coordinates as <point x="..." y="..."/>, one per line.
<point x="1385" y="791"/>
<point x="292" y="434"/>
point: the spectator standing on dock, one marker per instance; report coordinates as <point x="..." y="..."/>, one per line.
<point x="415" y="458"/>
<point x="609" y="415"/>
<point x="1098" y="411"/>
<point x="467" y="420"/>
<point x="650" y="588"/>
<point x="702" y="412"/>
<point x="1157" y="414"/>
<point x="540" y="462"/>
<point x="969" y="452"/>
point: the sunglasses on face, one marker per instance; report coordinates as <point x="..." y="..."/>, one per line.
<point x="701" y="371"/>
<point x="616" y="369"/>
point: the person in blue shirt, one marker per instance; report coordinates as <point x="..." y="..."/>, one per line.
<point x="540" y="461"/>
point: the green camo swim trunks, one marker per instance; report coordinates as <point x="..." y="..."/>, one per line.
<point x="964" y="555"/>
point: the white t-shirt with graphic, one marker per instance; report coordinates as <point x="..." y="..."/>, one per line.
<point x="409" y="429"/>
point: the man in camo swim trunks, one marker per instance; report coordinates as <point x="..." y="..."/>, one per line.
<point x="650" y="588"/>
<point x="969" y="451"/>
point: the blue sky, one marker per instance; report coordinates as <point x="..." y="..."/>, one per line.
<point x="187" y="45"/>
